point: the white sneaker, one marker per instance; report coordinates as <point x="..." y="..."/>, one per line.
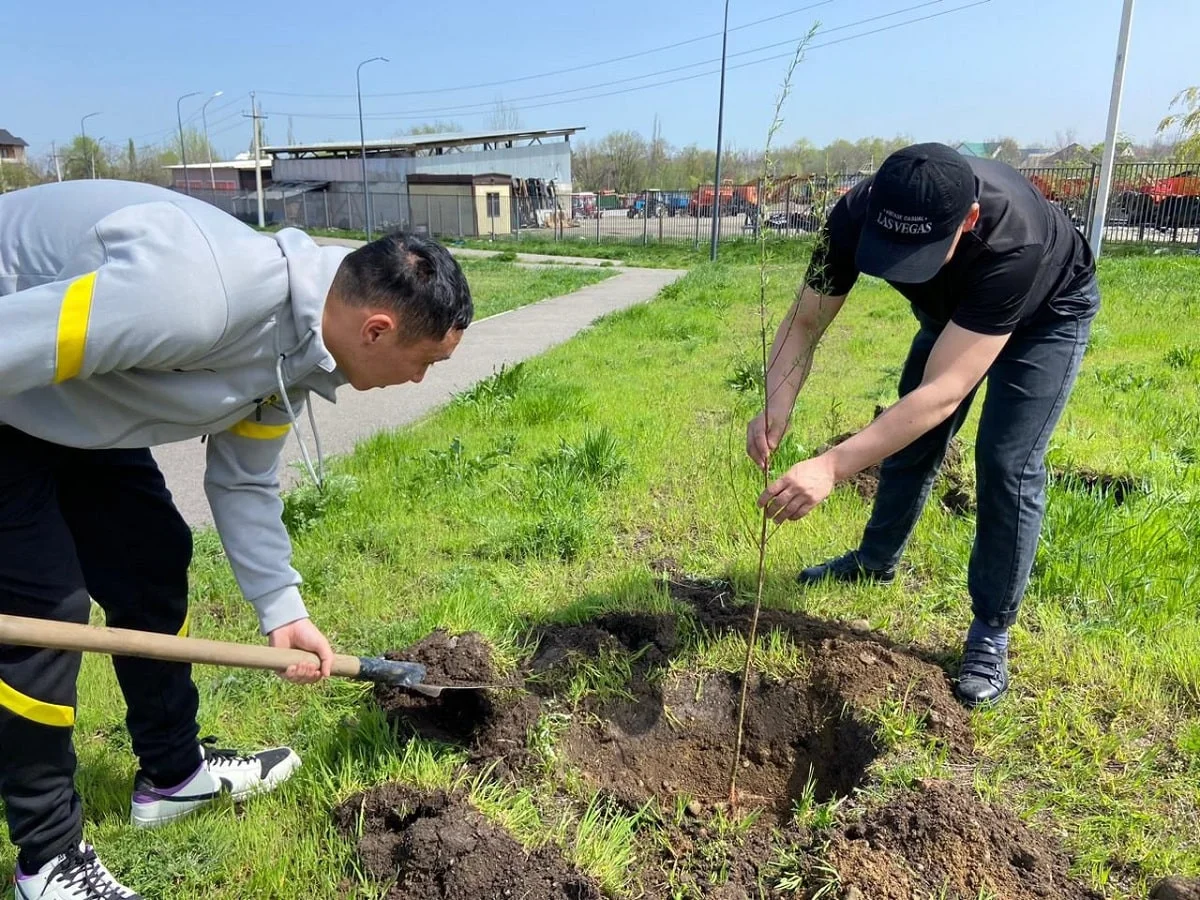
<point x="76" y="875"/>
<point x="221" y="772"/>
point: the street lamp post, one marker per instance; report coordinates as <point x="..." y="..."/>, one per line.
<point x="212" y="179"/>
<point x="716" y="205"/>
<point x="187" y="183"/>
<point x="83" y="132"/>
<point x="362" y="140"/>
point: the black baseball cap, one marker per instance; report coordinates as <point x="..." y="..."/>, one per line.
<point x="918" y="198"/>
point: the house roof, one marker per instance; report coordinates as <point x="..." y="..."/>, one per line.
<point x="983" y="149"/>
<point x="8" y="139"/>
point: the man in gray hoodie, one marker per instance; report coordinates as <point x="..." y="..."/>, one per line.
<point x="132" y="316"/>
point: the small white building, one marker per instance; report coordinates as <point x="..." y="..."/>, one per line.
<point x="231" y="175"/>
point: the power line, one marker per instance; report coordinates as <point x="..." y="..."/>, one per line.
<point x="414" y="114"/>
<point x="579" y="68"/>
<point x="467" y="108"/>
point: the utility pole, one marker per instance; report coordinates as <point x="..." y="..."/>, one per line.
<point x="257" y="117"/>
<point x="212" y="178"/>
<point x="83" y="132"/>
<point x="57" y="167"/>
<point x="1110" y="138"/>
<point x="716" y="204"/>
<point x="362" y="141"/>
<point x="187" y="181"/>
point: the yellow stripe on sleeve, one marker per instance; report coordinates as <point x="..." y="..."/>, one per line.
<point x="73" y="320"/>
<point x="35" y="710"/>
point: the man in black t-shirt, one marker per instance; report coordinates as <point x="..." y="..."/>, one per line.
<point x="1004" y="287"/>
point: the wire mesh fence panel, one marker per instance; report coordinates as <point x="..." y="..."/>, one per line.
<point x="1153" y="202"/>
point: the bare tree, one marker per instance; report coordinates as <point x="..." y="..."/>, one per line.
<point x="504" y="117"/>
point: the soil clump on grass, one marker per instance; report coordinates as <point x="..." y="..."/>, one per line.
<point x="941" y="840"/>
<point x="436" y="846"/>
<point x="954" y="484"/>
<point x="1115" y="486"/>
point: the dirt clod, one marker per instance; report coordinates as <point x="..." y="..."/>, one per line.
<point x="1176" y="888"/>
<point x="957" y="495"/>
<point x="436" y="846"/>
<point x="1107" y="484"/>
<point x="941" y="837"/>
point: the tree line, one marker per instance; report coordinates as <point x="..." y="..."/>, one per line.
<point x="83" y="156"/>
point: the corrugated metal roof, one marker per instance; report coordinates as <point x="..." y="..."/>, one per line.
<point x="424" y="141"/>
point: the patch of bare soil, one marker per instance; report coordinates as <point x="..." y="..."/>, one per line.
<point x="941" y="840"/>
<point x="665" y="735"/>
<point x="436" y="846"/>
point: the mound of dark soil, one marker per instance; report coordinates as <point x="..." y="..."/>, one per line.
<point x="940" y="840"/>
<point x="436" y="846"/>
<point x="652" y="639"/>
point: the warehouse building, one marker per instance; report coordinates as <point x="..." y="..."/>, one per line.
<point x="320" y="185"/>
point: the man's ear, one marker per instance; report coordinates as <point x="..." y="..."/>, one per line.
<point x="376" y="326"/>
<point x="972" y="217"/>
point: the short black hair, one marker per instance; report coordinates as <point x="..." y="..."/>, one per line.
<point x="413" y="275"/>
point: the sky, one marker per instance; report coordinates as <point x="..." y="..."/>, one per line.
<point x="1036" y="70"/>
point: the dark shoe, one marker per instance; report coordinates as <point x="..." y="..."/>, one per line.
<point x="847" y="568"/>
<point x="983" y="677"/>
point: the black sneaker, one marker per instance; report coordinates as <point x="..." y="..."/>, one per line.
<point x="77" y="874"/>
<point x="847" y="568"/>
<point x="983" y="676"/>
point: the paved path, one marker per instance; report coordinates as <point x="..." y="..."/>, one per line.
<point x="467" y="252"/>
<point x="505" y="338"/>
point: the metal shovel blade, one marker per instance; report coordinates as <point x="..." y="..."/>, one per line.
<point x="435" y="690"/>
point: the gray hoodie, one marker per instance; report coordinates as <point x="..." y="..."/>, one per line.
<point x="131" y="315"/>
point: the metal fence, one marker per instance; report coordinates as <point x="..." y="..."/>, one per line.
<point x="1153" y="202"/>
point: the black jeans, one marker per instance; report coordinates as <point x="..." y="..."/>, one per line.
<point x="1027" y="388"/>
<point x="75" y="523"/>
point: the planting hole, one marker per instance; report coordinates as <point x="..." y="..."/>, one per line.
<point x="680" y="742"/>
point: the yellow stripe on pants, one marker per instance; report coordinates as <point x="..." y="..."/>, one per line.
<point x="35" y="710"/>
<point x="73" y="327"/>
<point x="259" y="432"/>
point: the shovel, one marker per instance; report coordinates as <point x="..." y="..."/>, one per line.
<point x="54" y="635"/>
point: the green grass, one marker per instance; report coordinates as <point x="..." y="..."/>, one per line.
<point x="665" y="255"/>
<point x="498" y="285"/>
<point x="547" y="491"/>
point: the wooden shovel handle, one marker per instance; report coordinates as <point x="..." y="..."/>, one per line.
<point x="55" y="635"/>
